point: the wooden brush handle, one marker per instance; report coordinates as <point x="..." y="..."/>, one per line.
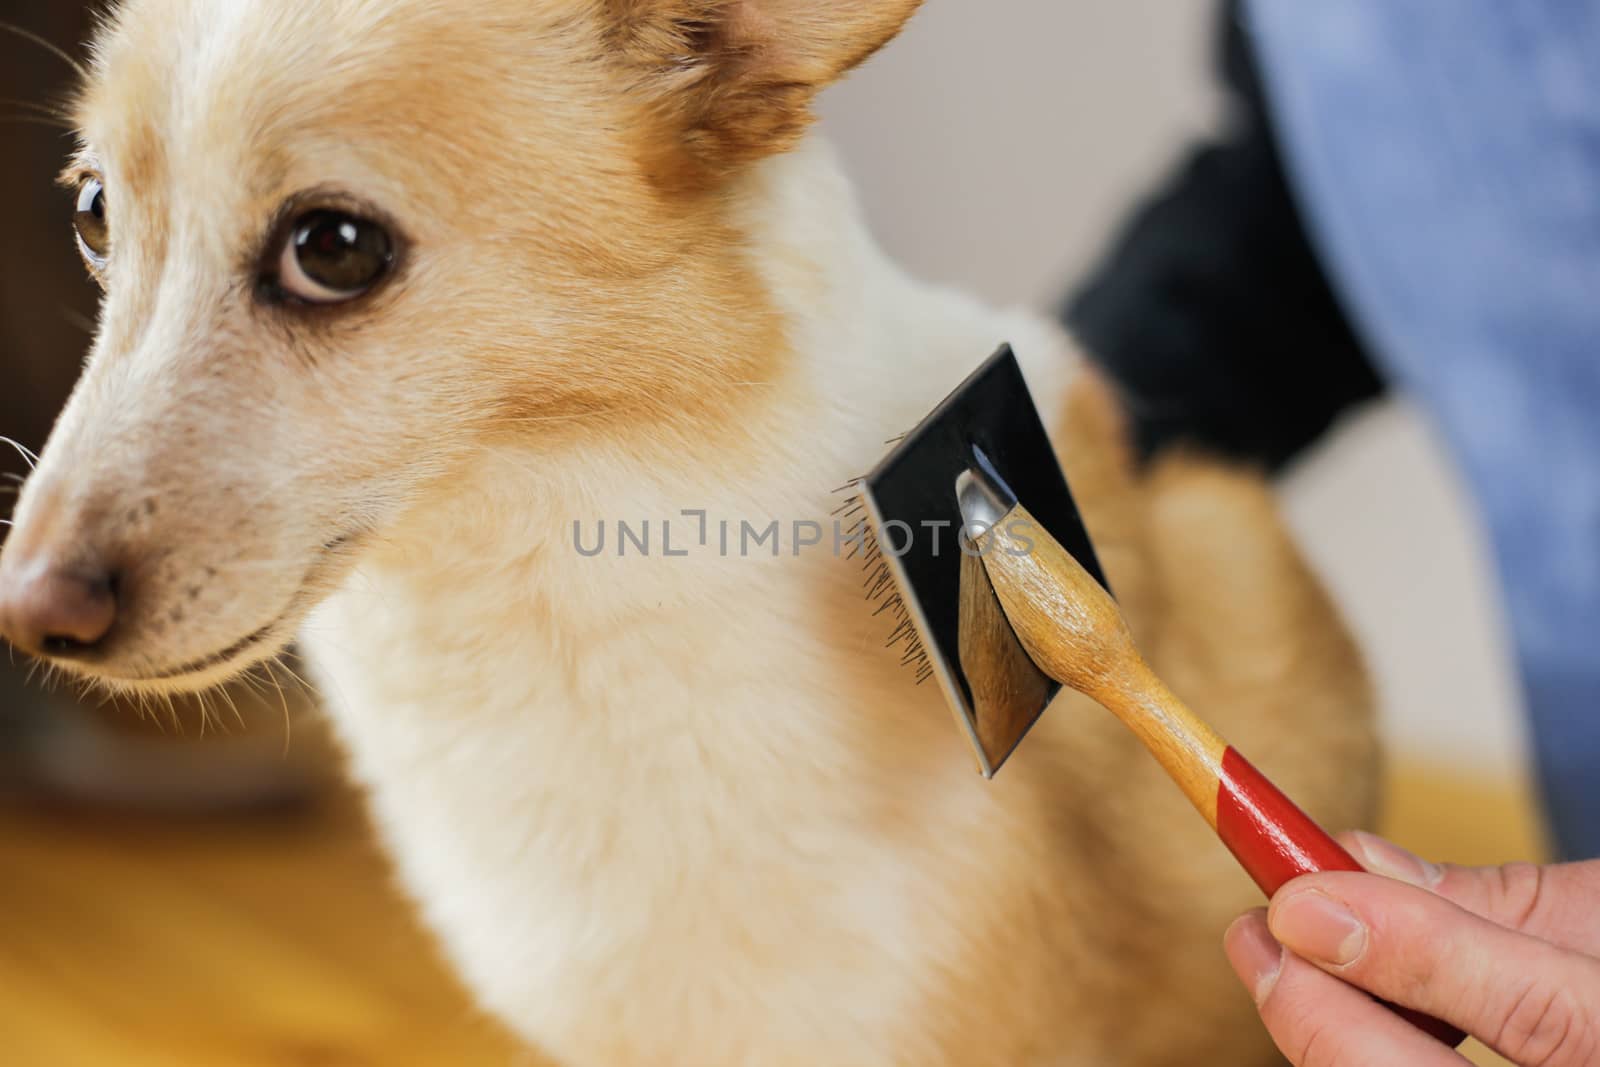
<point x="1073" y="631"/>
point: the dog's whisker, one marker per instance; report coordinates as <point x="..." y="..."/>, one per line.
<point x="60" y="53"/>
<point x="74" y="317"/>
<point x="38" y="120"/>
<point x="304" y="685"/>
<point x="238" y="717"/>
<point x="27" y="453"/>
<point x="283" y="700"/>
<point x="201" y="703"/>
<point x="45" y="111"/>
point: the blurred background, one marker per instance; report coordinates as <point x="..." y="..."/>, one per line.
<point x="999" y="147"/>
<point x="184" y="891"/>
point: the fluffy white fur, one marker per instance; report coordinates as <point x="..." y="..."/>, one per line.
<point x="629" y="791"/>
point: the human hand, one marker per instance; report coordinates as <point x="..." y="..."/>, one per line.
<point x="1509" y="954"/>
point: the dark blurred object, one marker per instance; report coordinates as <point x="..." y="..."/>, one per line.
<point x="47" y="303"/>
<point x="50" y="743"/>
<point x="250" y="749"/>
<point x="1211" y="310"/>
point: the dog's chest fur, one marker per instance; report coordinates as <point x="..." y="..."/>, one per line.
<point x="683" y="809"/>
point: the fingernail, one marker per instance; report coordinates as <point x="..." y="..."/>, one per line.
<point x="1392" y="861"/>
<point x="1255" y="956"/>
<point x="1318" y="927"/>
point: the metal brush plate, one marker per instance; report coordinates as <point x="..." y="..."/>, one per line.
<point x="915" y="485"/>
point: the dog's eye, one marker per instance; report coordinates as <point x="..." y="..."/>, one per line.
<point x="332" y="256"/>
<point x="89" y="218"/>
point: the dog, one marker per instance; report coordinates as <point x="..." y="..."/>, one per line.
<point x="406" y="300"/>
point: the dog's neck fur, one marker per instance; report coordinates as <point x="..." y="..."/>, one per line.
<point x="533" y="722"/>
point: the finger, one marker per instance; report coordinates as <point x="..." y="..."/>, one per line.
<point x="1555" y="903"/>
<point x="1533" y="1002"/>
<point x="1315" y="1019"/>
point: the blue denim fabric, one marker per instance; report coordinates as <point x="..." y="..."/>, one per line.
<point x="1447" y="154"/>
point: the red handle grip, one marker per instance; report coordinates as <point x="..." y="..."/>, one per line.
<point x="1275" y="842"/>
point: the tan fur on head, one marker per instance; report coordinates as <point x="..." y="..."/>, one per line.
<point x="550" y="282"/>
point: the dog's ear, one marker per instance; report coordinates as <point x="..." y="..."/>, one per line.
<point x="732" y="81"/>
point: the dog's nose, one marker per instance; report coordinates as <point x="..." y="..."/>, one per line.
<point x="51" y="610"/>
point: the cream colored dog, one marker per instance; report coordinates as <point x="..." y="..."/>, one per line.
<point x="404" y="298"/>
